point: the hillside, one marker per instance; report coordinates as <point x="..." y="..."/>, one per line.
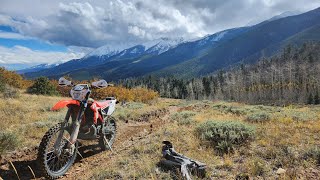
<point x="284" y="145"/>
<point x="189" y="59"/>
<point x="288" y="77"/>
<point x="250" y="46"/>
<point x="145" y="58"/>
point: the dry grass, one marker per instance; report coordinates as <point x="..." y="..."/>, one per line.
<point x="283" y="142"/>
<point x="140" y="160"/>
<point x="290" y="139"/>
<point x="29" y="116"/>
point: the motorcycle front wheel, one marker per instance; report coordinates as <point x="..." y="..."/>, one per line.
<point x="55" y="163"/>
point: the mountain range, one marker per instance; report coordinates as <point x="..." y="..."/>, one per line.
<point x="190" y="58"/>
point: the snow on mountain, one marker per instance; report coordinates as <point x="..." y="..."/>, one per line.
<point x="108" y="50"/>
<point x="211" y="38"/>
<point x="157" y="46"/>
<point x="162" y="45"/>
<point x="39" y="67"/>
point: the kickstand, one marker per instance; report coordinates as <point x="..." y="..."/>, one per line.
<point x="79" y="154"/>
<point x="106" y="140"/>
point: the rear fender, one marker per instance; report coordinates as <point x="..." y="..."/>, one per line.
<point x="112" y="106"/>
<point x="64" y="103"/>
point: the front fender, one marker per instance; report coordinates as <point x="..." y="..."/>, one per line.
<point x="64" y="103"/>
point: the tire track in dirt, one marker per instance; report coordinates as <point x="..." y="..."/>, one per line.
<point x="25" y="161"/>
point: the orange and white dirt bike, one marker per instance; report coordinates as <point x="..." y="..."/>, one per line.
<point x="86" y="119"/>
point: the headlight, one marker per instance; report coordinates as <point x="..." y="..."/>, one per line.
<point x="79" y="92"/>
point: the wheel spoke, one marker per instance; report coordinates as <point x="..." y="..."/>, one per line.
<point x="51" y="157"/>
<point x="54" y="162"/>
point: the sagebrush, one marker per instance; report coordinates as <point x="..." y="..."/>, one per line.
<point x="10" y="92"/>
<point x="8" y="141"/>
<point x="258" y="117"/>
<point x="183" y="117"/>
<point x="224" y="136"/>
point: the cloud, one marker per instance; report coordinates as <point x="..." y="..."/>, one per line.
<point x="100" y="22"/>
<point x="21" y="54"/>
<point x="12" y="35"/>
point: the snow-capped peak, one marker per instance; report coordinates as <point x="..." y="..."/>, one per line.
<point x="109" y="50"/>
<point x="162" y="45"/>
<point x="39" y="67"/>
<point x="210" y="38"/>
<point x="157" y="46"/>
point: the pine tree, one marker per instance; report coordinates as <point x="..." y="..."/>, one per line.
<point x="310" y="99"/>
<point x="316" y="98"/>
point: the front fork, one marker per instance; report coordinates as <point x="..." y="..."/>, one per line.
<point x="75" y="129"/>
<point x="57" y="144"/>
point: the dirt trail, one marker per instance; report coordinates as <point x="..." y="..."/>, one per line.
<point x="26" y="164"/>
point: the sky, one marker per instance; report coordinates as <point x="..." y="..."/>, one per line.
<point x="47" y="31"/>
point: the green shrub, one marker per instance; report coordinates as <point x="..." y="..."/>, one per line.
<point x="123" y="114"/>
<point x="300" y="115"/>
<point x="183" y="117"/>
<point x="244" y="109"/>
<point x="135" y="105"/>
<point x="304" y="116"/>
<point x="312" y="153"/>
<point x="43" y="86"/>
<point x="258" y="117"/>
<point x="224" y="136"/>
<point x="10" y="92"/>
<point x="8" y="141"/>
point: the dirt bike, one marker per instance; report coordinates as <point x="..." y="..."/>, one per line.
<point x="90" y="120"/>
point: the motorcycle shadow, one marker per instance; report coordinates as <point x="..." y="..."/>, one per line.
<point x="28" y="169"/>
<point x="22" y="170"/>
<point x="87" y="151"/>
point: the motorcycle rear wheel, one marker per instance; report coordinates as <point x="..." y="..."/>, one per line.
<point x="54" y="165"/>
<point x="106" y="141"/>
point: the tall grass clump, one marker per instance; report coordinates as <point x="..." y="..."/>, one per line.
<point x="183" y="117"/>
<point x="10" y="92"/>
<point x="225" y="136"/>
<point x="8" y="141"/>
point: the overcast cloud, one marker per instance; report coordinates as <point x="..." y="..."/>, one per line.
<point x="82" y="25"/>
<point x="99" y="22"/>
